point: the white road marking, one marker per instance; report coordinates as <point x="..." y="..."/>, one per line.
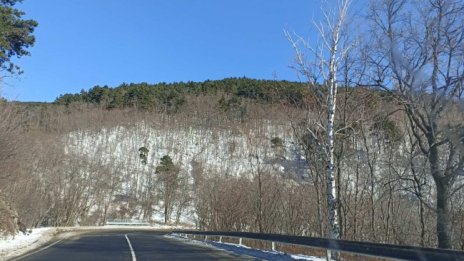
<point x="131" y="249"/>
<point x="37" y="251"/>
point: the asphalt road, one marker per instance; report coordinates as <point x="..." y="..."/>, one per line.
<point x="115" y="246"/>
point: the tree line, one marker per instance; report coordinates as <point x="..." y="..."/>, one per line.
<point x="170" y="96"/>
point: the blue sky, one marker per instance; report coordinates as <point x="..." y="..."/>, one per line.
<point x="83" y="43"/>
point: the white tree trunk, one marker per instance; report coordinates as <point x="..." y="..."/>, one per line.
<point x="331" y="193"/>
<point x="334" y="228"/>
<point x="327" y="56"/>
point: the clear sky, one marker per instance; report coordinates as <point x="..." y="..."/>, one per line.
<point x="83" y="43"/>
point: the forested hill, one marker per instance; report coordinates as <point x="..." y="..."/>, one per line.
<point x="172" y="95"/>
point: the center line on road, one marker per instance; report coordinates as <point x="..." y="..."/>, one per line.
<point x="131" y="249"/>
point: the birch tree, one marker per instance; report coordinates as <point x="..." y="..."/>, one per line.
<point x="321" y="70"/>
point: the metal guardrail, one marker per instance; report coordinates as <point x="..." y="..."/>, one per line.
<point x="126" y="222"/>
<point x="390" y="251"/>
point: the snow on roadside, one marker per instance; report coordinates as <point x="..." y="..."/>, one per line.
<point x="244" y="250"/>
<point x="21" y="243"/>
<point x="309" y="258"/>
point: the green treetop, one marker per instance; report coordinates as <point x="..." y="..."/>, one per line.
<point x="15" y="35"/>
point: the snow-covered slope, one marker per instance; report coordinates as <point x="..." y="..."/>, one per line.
<point x="234" y="151"/>
<point x="226" y="151"/>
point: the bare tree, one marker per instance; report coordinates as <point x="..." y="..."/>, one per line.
<point x="324" y="70"/>
<point x="416" y="55"/>
<point x="9" y="174"/>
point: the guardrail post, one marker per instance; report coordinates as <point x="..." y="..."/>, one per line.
<point x="220" y="239"/>
<point x="240" y="242"/>
<point x="273" y="246"/>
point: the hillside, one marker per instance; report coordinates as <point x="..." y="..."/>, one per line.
<point x="222" y="159"/>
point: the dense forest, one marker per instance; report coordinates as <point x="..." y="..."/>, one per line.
<point x="170" y="96"/>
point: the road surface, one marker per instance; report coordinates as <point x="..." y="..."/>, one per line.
<point x="127" y="246"/>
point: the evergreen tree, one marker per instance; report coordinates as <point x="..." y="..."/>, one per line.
<point x="168" y="179"/>
<point x="15" y="35"/>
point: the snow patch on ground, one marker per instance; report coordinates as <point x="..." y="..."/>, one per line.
<point x="22" y="243"/>
<point x="244" y="250"/>
<point x="310" y="258"/>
